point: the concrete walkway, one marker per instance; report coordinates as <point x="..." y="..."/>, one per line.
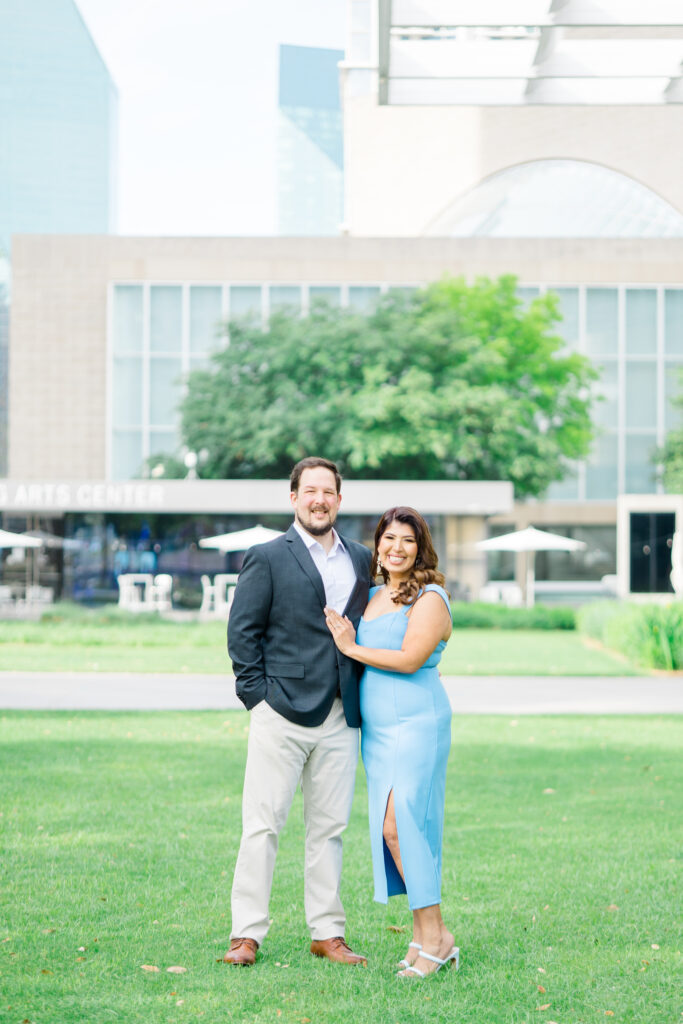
<point x="509" y="695"/>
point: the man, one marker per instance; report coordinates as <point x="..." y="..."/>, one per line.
<point x="303" y="697"/>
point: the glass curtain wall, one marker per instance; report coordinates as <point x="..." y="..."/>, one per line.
<point x="633" y="334"/>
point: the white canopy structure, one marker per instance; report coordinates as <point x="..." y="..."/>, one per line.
<point x="240" y="540"/>
<point x="530" y="541"/>
<point x="516" y="52"/>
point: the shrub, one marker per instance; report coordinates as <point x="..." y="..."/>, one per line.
<point x="649" y="634"/>
<point x="592" y="618"/>
<point x="478" y="615"/>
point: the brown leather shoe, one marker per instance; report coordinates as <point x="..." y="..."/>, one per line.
<point x="242" y="952"/>
<point x="337" y="950"/>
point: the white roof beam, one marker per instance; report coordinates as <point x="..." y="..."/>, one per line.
<point x="504" y="92"/>
<point x="564" y="59"/>
<point x="536" y="13"/>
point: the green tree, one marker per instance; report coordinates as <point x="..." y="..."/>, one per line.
<point x="453" y="381"/>
<point x="671" y="455"/>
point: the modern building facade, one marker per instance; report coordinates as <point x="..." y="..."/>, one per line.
<point x="310" y="142"/>
<point x="135" y="315"/>
<point x="501" y="164"/>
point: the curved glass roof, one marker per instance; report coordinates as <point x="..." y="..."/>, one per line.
<point x="559" y="199"/>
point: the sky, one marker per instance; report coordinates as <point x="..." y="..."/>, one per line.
<point x="197" y="84"/>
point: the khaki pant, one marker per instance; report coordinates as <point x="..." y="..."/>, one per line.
<point x="280" y="754"/>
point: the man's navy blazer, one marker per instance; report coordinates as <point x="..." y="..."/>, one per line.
<point x="281" y="649"/>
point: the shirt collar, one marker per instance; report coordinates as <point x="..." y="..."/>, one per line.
<point x="309" y="540"/>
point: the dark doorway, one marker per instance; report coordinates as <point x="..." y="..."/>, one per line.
<point x="651" y="539"/>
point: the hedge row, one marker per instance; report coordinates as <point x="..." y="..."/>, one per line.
<point x="650" y="635"/>
<point x="477" y="615"/>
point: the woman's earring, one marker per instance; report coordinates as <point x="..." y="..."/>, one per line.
<point x="379" y="564"/>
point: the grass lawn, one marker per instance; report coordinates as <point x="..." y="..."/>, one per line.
<point x="562" y="850"/>
<point x="77" y="640"/>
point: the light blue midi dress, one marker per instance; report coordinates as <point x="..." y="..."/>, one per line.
<point x="405" y="740"/>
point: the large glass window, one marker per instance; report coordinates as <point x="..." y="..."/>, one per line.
<point x="673" y="321"/>
<point x="127" y="391"/>
<point x="640" y="466"/>
<point x="641" y="321"/>
<point x="602" y="319"/>
<point x="127" y="318"/>
<point x="166" y="318"/>
<point x="641" y="395"/>
<point x="673" y="388"/>
<point x="184" y="322"/>
<point x="362" y="297"/>
<point x="565" y="490"/>
<point x="327" y="292"/>
<point x="126" y="456"/>
<point x="568" y="328"/>
<point x="606" y="407"/>
<point x="205" y="318"/>
<point x="285" y="297"/>
<point x="245" y="300"/>
<point x="163" y="441"/>
<point x="527" y="294"/>
<point x="597" y="559"/>
<point x="601" y="469"/>
<point x="164" y="391"/>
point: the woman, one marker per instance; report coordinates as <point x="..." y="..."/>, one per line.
<point x="406" y="731"/>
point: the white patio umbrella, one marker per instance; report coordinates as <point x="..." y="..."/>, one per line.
<point x="240" y="540"/>
<point x="18" y="540"/>
<point x="530" y="541"/>
<point x="51" y="540"/>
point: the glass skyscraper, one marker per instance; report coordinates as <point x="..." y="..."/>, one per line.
<point x="310" y="142"/>
<point x="57" y="123"/>
<point x="58" y="127"/>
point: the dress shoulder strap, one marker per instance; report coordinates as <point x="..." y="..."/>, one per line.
<point x="439" y="590"/>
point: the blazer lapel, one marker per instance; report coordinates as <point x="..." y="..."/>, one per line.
<point x="301" y="553"/>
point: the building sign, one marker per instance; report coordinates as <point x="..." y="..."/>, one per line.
<point x="250" y="497"/>
<point x="31" y="497"/>
<point x="80" y="497"/>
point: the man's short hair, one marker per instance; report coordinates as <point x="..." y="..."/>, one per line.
<point x="310" y="462"/>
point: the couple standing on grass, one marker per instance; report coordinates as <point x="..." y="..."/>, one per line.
<point x="298" y="661"/>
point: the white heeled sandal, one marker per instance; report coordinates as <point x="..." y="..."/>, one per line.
<point x="411" y="945"/>
<point x="453" y="957"/>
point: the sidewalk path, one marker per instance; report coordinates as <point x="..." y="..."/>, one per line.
<point x="509" y="695"/>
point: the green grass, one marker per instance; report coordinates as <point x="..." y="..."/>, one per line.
<point x="563" y="846"/>
<point x="529" y="652"/>
<point x="72" y="639"/>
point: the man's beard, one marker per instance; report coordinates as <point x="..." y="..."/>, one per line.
<point x="315" y="531"/>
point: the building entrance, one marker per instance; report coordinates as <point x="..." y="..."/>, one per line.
<point x="650" y="553"/>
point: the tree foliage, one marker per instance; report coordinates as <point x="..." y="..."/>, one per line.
<point x="454" y="381"/>
<point x="671" y="455"/>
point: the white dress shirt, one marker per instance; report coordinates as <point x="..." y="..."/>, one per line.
<point x="336" y="568"/>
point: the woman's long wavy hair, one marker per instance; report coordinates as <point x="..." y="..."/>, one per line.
<point x="425" y="569"/>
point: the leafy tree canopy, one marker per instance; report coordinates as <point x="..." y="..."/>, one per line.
<point x="671" y="455"/>
<point x="453" y="381"/>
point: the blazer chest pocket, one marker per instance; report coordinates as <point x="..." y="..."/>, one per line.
<point x="287" y="670"/>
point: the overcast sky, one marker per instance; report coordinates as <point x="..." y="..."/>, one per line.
<point x="197" y="83"/>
